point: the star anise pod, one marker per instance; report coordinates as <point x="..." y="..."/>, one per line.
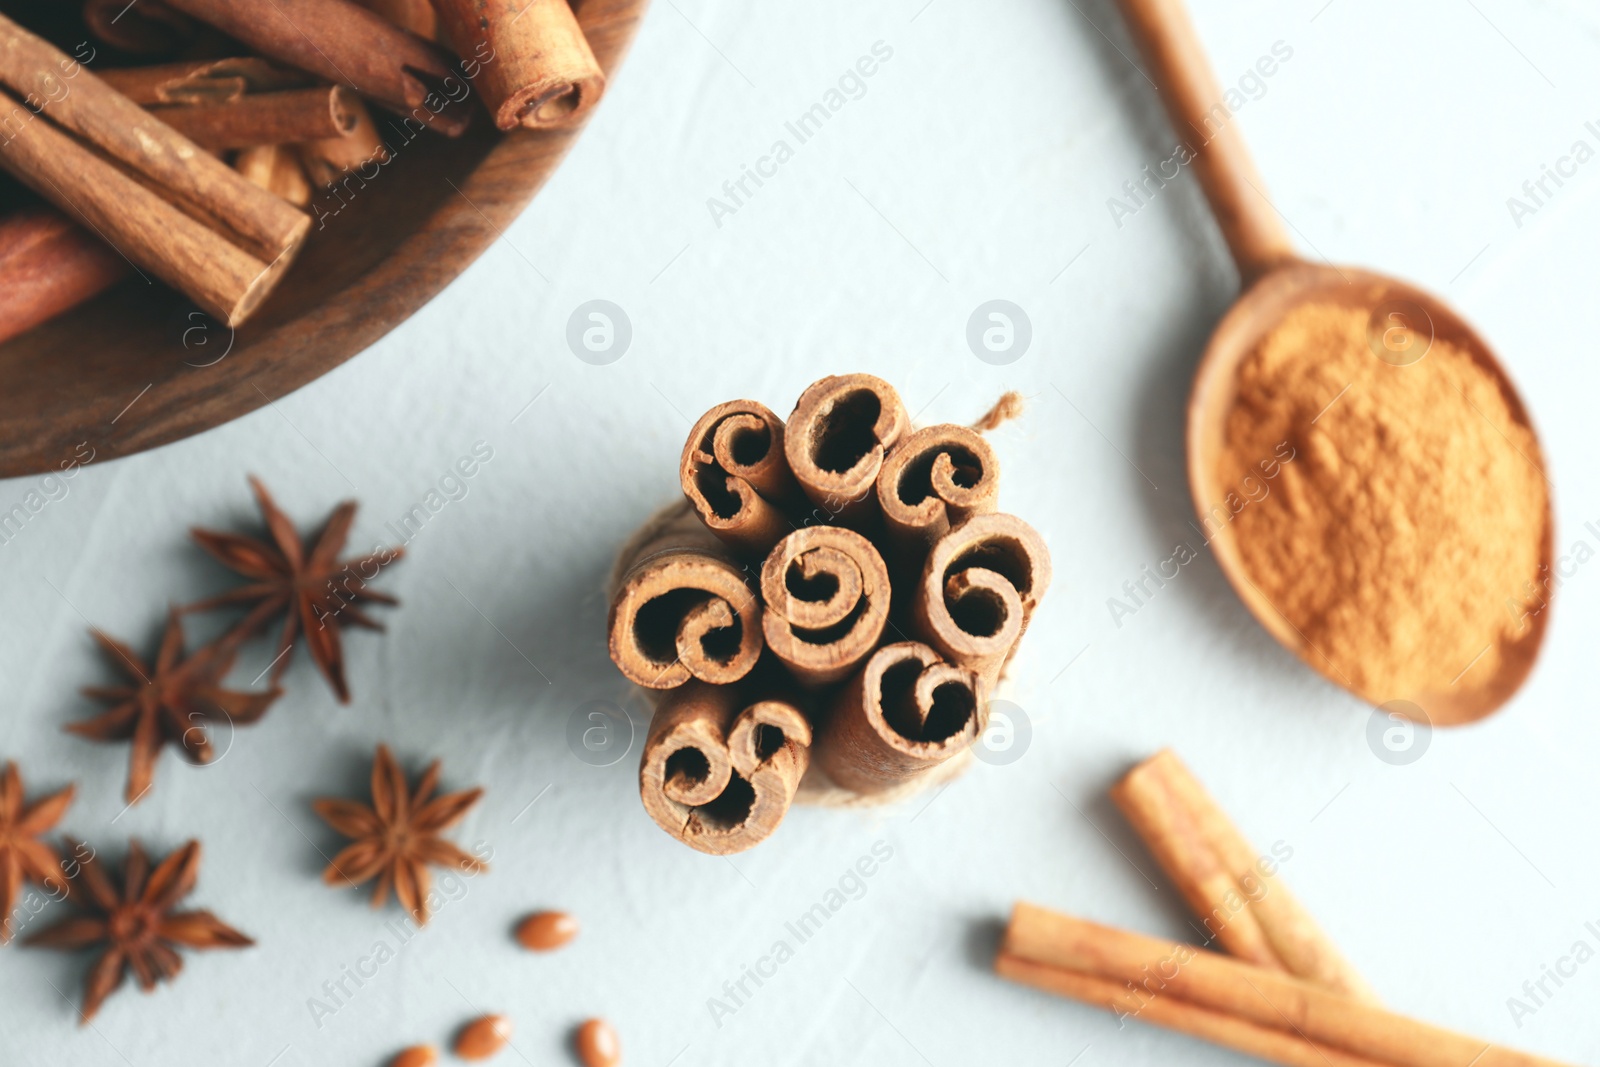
<point x="398" y="836"/>
<point x="173" y="700"/>
<point x="315" y="591"/>
<point x="138" y="926"/>
<point x="23" y="857"/>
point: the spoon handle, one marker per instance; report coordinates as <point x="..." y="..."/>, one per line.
<point x="1195" y="105"/>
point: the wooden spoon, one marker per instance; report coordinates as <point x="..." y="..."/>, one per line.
<point x="1276" y="280"/>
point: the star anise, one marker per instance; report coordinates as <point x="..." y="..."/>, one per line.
<point x="172" y="701"/>
<point x="23" y="857"/>
<point x="398" y="836"/>
<point x="315" y="591"/>
<point x="138" y="926"/>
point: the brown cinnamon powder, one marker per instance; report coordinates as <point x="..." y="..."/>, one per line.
<point x="1403" y="538"/>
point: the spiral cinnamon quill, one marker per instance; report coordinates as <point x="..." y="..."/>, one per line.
<point x="719" y="773"/>
<point x="682" y="610"/>
<point x="903" y="714"/>
<point x="842" y="428"/>
<point x="979" y="587"/>
<point x="827" y="593"/>
<point x="734" y="472"/>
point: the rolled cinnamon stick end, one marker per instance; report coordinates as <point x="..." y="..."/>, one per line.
<point x="1274" y="1046"/>
<point x="329" y="160"/>
<point x="203" y="81"/>
<point x="76" y="99"/>
<point x="826" y="592"/>
<point x="836" y="440"/>
<point x="543" y="75"/>
<point x="979" y="587"/>
<point x="1234" y="890"/>
<point x="277" y="169"/>
<point x="904" y="713"/>
<point x="224" y="280"/>
<point x="719" y="773"/>
<point x="734" y="473"/>
<point x="682" y="611"/>
<point x="934" y="479"/>
<point x="346" y="44"/>
<point x="149" y="28"/>
<point x="48" y="265"/>
<point x="290" y="116"/>
<point x="1148" y="968"/>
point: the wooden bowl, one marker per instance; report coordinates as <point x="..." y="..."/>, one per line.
<point x="137" y="367"/>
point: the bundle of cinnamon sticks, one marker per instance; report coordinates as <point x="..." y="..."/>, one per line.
<point x="194" y="171"/>
<point x="1284" y="994"/>
<point x="825" y="614"/>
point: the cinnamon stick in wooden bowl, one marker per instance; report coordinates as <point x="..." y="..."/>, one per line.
<point x="543" y="74"/>
<point x="203" y="81"/>
<point x="719" y="771"/>
<point x="48" y="265"/>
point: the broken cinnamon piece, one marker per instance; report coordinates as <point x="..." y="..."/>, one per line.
<point x="903" y="714"/>
<point x="979" y="587"/>
<point x="734" y="472"/>
<point x="342" y="42"/>
<point x="682" y="610"/>
<point x="1234" y="890"/>
<point x="203" y="81"/>
<point x="836" y="440"/>
<point x="329" y="160"/>
<point x="719" y="772"/>
<point x="826" y="601"/>
<point x="277" y="169"/>
<point x="543" y="75"/>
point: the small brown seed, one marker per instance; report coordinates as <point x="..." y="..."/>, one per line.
<point x="546" y="930"/>
<point x="598" y="1045"/>
<point x="483" y="1037"/>
<point x="416" y="1056"/>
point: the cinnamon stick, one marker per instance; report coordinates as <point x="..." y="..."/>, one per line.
<point x="543" y="76"/>
<point x="979" y="587"/>
<point x="328" y="160"/>
<point x="416" y="16"/>
<point x="734" y="473"/>
<point x="904" y="713"/>
<point x="277" y="169"/>
<point x="826" y="592"/>
<point x="344" y="43"/>
<point x="836" y="440"/>
<point x="202" y="81"/>
<point x="48" y="265"/>
<point x="1170" y="1013"/>
<point x="1236" y="892"/>
<point x="719" y="772"/>
<point x="223" y="279"/>
<point x="1150" y="970"/>
<point x="148" y="27"/>
<point x="932" y="480"/>
<point x="682" y="610"/>
<point x="76" y="99"/>
<point x="291" y="116"/>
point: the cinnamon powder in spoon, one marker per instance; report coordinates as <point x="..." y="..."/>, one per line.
<point x="1403" y="540"/>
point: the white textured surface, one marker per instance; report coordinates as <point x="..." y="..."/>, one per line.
<point x="976" y="165"/>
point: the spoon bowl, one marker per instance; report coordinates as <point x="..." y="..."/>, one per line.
<point x="1276" y="282"/>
